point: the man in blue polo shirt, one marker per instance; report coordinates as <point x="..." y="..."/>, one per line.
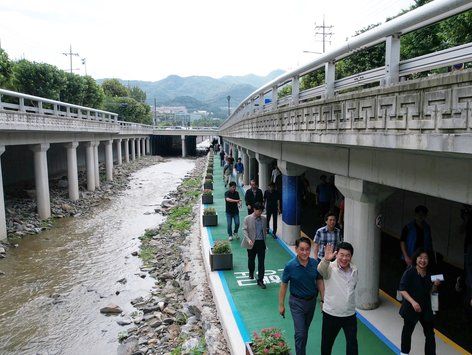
<point x="302" y="274"/>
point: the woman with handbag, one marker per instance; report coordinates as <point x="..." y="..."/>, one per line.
<point x="416" y="288"/>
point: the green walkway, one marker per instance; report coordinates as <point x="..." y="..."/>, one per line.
<point x="255" y="308"/>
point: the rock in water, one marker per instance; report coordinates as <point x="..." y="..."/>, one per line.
<point x="111" y="309"/>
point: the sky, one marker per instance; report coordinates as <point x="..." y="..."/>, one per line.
<point x="151" y="39"/>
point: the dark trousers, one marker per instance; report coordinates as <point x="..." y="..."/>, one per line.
<point x="428" y="330"/>
<point x="272" y="214"/>
<point x="330" y="329"/>
<point x="258" y="249"/>
<point x="302" y="314"/>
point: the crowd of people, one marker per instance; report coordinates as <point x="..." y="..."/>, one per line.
<point x="330" y="274"/>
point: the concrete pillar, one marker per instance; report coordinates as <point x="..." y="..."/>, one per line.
<point x="330" y="76"/>
<point x="251" y="164"/>
<point x="72" y="176"/>
<point x="184" y="147"/>
<point x="236" y="153"/>
<point x="246" y="168"/>
<point x="119" y="158"/>
<point x="126" y="150"/>
<point x="90" y="162"/>
<point x="3" y="222"/>
<point x="133" y="149"/>
<point x="143" y="146"/>
<point x="96" y="164"/>
<point x="361" y="211"/>
<point x="109" y="159"/>
<point x="138" y="147"/>
<point x="148" y="146"/>
<point x="392" y="59"/>
<point x="291" y="200"/>
<point x="295" y="90"/>
<point x="41" y="179"/>
<point x="264" y="175"/>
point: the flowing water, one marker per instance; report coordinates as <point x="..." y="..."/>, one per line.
<point x="78" y="263"/>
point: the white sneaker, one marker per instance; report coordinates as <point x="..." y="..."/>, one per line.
<point x="230" y="238"/>
<point x="235" y="235"/>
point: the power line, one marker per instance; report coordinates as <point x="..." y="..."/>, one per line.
<point x="325" y="32"/>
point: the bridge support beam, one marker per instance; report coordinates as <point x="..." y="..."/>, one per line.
<point x="133" y="149"/>
<point x="90" y="163"/>
<point x="72" y="176"/>
<point x="3" y="222"/>
<point x="291" y="200"/>
<point x="251" y="165"/>
<point x="109" y="159"/>
<point x="96" y="164"/>
<point x="119" y="157"/>
<point x="362" y="208"/>
<point x="264" y="176"/>
<point x="184" y="147"/>
<point x="143" y="146"/>
<point x="246" y="167"/>
<point x="126" y="150"/>
<point x="148" y="145"/>
<point x="138" y="147"/>
<point x="41" y="179"/>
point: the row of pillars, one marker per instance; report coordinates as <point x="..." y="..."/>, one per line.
<point x="362" y="206"/>
<point x="139" y="146"/>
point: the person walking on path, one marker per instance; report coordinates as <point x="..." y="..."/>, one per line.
<point x="222" y="157"/>
<point x="239" y="166"/>
<point x="228" y="170"/>
<point x="328" y="234"/>
<point x="416" y="234"/>
<point x="272" y="207"/>
<point x="339" y="307"/>
<point x="302" y="275"/>
<point x="416" y="287"/>
<point x="253" y="195"/>
<point x="254" y="228"/>
<point x="233" y="202"/>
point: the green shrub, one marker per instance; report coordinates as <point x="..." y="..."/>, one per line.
<point x="222" y="247"/>
<point x="210" y="211"/>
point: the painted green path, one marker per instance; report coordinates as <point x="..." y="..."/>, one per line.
<point x="258" y="308"/>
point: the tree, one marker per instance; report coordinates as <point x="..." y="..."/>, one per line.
<point x="128" y="109"/>
<point x="93" y="93"/>
<point x="39" y="79"/>
<point x="74" y="89"/>
<point x="113" y="88"/>
<point x="137" y="94"/>
<point x="5" y="68"/>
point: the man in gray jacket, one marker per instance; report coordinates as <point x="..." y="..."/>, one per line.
<point x="254" y="229"/>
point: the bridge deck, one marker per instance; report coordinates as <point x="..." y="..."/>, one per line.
<point x="254" y="308"/>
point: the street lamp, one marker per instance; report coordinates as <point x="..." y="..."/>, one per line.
<point x="229" y="106"/>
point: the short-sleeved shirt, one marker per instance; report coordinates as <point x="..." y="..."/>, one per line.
<point x="302" y="279"/>
<point x="323" y="237"/>
<point x="232" y="207"/>
<point x="271" y="199"/>
<point x="419" y="236"/>
<point x="239" y="167"/>
<point x="419" y="288"/>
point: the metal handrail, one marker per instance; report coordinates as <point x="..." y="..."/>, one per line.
<point x="421" y="17"/>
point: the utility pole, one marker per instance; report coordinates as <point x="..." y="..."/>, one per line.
<point x="229" y="105"/>
<point x="84" y="63"/>
<point x="70" y="54"/>
<point x="155" y="111"/>
<point x="324" y="31"/>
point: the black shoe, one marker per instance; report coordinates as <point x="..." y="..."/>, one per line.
<point x="274" y="235"/>
<point x="251" y="276"/>
<point x="261" y="284"/>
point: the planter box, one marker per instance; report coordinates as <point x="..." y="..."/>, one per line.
<point x="220" y="261"/>
<point x="207" y="199"/>
<point x="209" y="176"/>
<point x="210" y="220"/>
<point x="208" y="185"/>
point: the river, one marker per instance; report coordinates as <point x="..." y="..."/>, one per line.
<point x="78" y="263"/>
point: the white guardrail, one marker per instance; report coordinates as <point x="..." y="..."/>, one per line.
<point x="390" y="33"/>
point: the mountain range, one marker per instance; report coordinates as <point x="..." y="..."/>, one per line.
<point x="201" y="92"/>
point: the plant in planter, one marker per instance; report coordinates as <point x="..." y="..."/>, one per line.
<point x="207" y="196"/>
<point x="208" y="184"/>
<point x="221" y="257"/>
<point x="209" y="218"/>
<point x="209" y="176"/>
<point x="269" y="341"/>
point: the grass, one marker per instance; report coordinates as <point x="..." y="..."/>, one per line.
<point x="147" y="253"/>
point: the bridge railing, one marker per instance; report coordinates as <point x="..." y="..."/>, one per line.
<point x="389" y="74"/>
<point x="15" y="101"/>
